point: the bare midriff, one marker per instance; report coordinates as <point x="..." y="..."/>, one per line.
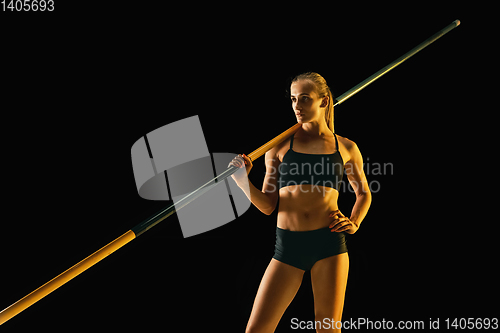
<point x="306" y="207"/>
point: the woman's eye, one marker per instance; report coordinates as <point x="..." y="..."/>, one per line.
<point x="305" y="99"/>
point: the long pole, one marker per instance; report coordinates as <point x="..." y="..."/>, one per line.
<point x="363" y="84"/>
<point x="135" y="232"/>
<point x="144" y="226"/>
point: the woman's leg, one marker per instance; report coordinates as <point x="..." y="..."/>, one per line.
<point x="329" y="280"/>
<point x="277" y="289"/>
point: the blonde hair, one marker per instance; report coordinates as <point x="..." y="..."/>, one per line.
<point x="323" y="90"/>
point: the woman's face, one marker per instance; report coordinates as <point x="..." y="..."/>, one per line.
<point x="305" y="101"/>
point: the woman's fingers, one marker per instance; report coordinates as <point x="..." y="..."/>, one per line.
<point x="340" y="224"/>
<point x="344" y="228"/>
<point x="238" y="162"/>
<point x="337" y="221"/>
<point x="333" y="213"/>
<point x="247" y="159"/>
<point x="336" y="213"/>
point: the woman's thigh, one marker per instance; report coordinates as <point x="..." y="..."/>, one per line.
<point x="329" y="280"/>
<point x="277" y="289"/>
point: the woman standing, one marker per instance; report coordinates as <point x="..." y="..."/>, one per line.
<point x="305" y="172"/>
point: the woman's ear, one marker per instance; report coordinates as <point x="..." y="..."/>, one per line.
<point x="324" y="102"/>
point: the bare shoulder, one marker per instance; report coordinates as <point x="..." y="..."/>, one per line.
<point x="348" y="149"/>
<point x="279" y="150"/>
<point x="349" y="145"/>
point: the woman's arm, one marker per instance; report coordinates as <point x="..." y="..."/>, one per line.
<point x="266" y="199"/>
<point x="357" y="179"/>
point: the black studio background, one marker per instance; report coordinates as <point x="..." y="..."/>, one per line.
<point x="81" y="85"/>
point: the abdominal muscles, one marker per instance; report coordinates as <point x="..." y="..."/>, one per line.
<point x="306" y="207"/>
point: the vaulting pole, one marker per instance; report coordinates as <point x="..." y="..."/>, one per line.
<point x="354" y="90"/>
<point x="136" y="231"/>
<point x="142" y="227"/>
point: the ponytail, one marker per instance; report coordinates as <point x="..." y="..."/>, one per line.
<point x="329" y="111"/>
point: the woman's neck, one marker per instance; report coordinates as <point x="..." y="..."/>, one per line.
<point x="315" y="128"/>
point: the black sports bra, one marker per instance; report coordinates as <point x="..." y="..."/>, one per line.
<point x="312" y="169"/>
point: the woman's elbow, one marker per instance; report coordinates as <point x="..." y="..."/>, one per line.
<point x="268" y="211"/>
<point x="365" y="195"/>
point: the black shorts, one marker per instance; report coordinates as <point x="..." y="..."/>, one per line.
<point x="302" y="249"/>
